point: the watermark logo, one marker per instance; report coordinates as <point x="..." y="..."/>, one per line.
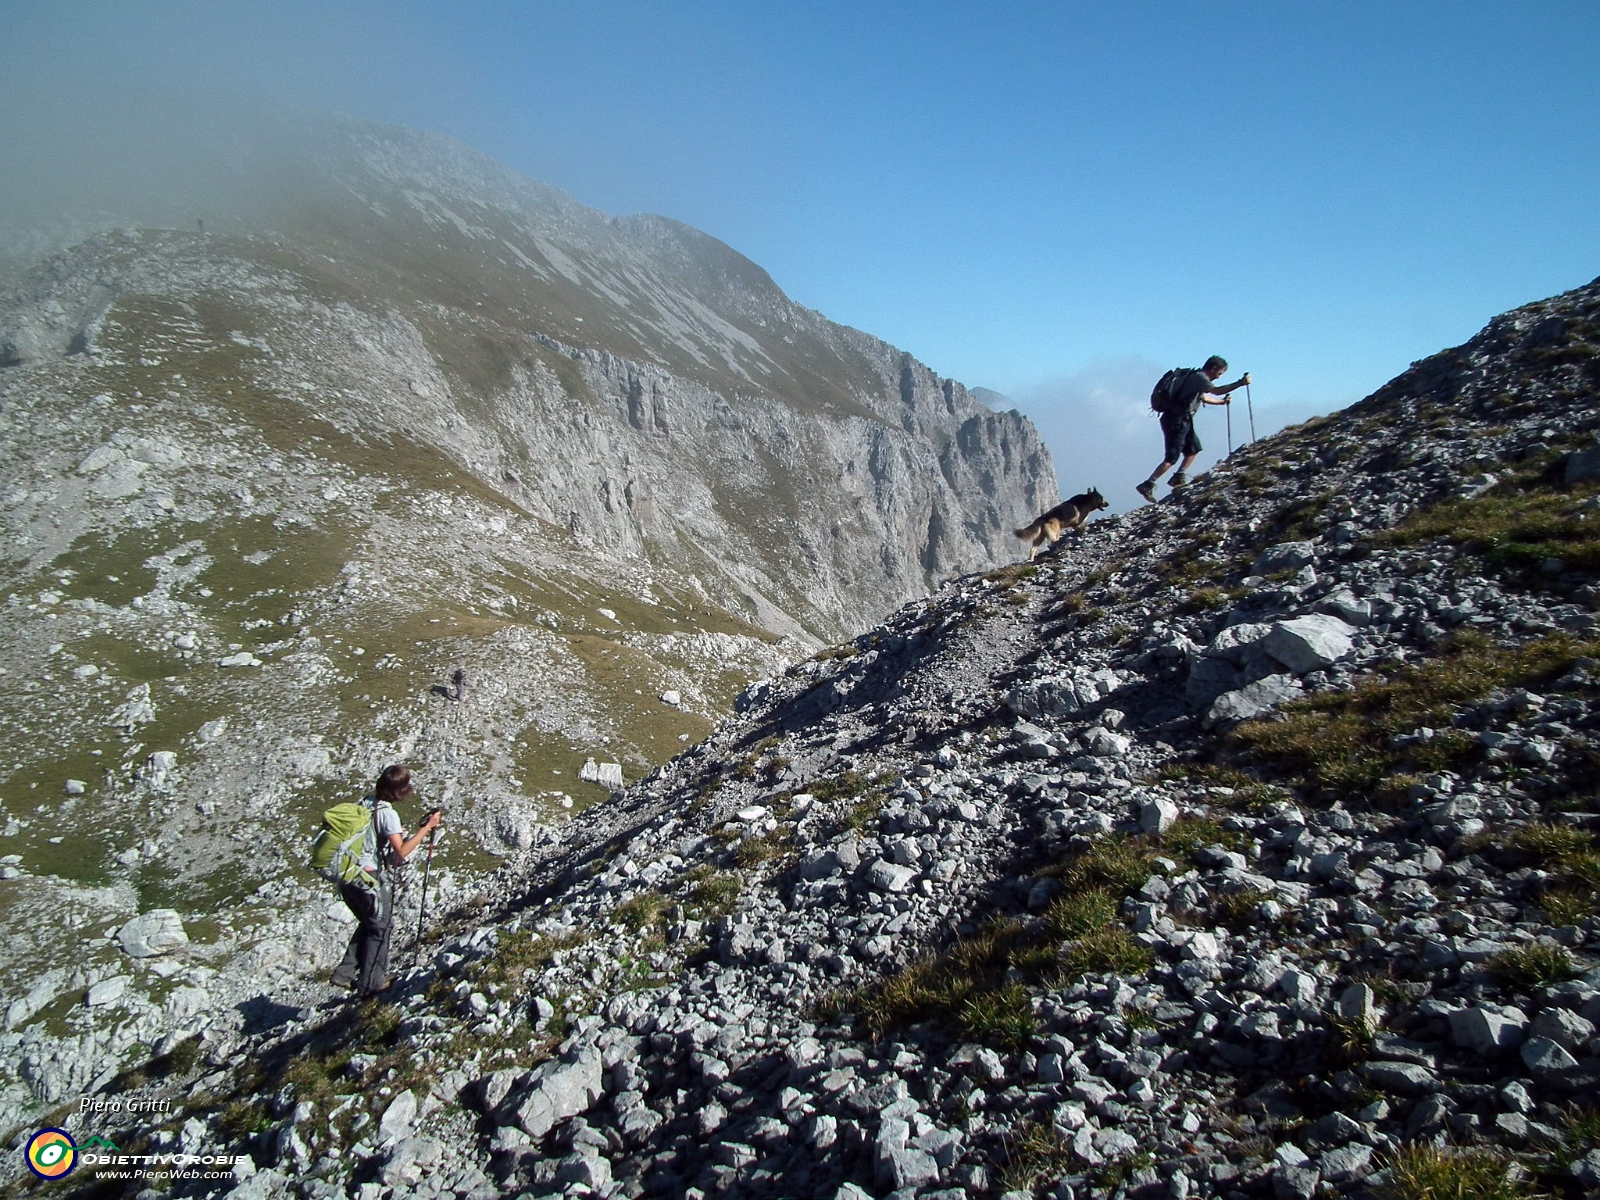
<point x="52" y="1154"/>
<point x="99" y="1143"/>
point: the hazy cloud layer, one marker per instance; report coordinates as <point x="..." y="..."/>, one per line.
<point x="1098" y="424"/>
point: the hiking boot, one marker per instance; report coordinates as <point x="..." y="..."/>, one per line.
<point x="1147" y="489"/>
<point x="339" y="981"/>
<point x="1179" y="480"/>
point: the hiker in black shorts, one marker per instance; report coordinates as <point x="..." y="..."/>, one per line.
<point x="1185" y="394"/>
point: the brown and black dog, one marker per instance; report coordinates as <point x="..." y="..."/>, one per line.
<point x="1069" y="514"/>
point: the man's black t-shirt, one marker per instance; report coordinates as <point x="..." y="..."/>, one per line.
<point x="1186" y="393"/>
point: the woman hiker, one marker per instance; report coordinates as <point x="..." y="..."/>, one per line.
<point x="371" y="895"/>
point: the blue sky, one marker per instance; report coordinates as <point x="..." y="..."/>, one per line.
<point x="1049" y="199"/>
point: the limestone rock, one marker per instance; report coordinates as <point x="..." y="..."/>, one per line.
<point x="1285" y="556"/>
<point x="1255" y="699"/>
<point x="555" y="1091"/>
<point x="1310" y="642"/>
<point x="159" y="931"/>
<point x="1485" y="1032"/>
<point x="890" y="877"/>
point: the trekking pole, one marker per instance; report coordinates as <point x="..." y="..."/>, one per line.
<point x="422" y="908"/>
<point x="1251" y="406"/>
<point x="1228" y="409"/>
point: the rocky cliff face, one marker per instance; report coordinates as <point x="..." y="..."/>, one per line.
<point x="630" y="379"/>
<point x="397" y="411"/>
<point x="1243" y="846"/>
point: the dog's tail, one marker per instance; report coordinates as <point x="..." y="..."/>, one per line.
<point x="1028" y="532"/>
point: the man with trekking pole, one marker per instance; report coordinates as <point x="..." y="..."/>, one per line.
<point x="1176" y="399"/>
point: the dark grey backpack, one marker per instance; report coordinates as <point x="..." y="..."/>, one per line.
<point x="1162" y="397"/>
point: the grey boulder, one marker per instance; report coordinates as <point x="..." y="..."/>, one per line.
<point x="557" y="1090"/>
<point x="1582" y="465"/>
<point x="1544" y="1057"/>
<point x="1485" y="1032"/>
<point x="1409" y="1079"/>
<point x="890" y="877"/>
<point x="1252" y="700"/>
<point x="1309" y="643"/>
<point x="1285" y="556"/>
<point x="158" y="931"/>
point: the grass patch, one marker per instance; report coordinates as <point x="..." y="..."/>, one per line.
<point x="1209" y="774"/>
<point x="644" y="911"/>
<point x="1348" y="740"/>
<point x="1236" y="911"/>
<point x="712" y="893"/>
<point x="1300" y="520"/>
<point x="1423" y="1172"/>
<point x="863" y="815"/>
<point x="1514" y="526"/>
<point x="1111" y="950"/>
<point x="1001" y="1017"/>
<point x="1011" y="574"/>
<point x="1568" y="906"/>
<point x="841" y="787"/>
<point x="1569" y="855"/>
<point x="1189" y="834"/>
<point x="1535" y="965"/>
<point x="1580" y="1133"/>
<point x="974" y="987"/>
<point x="841" y="652"/>
<point x="1111" y="1177"/>
<point x="1246" y="793"/>
<point x="1033" y="1153"/>
<point x="753" y="851"/>
<point x="1076" y="915"/>
<point x="1205" y="599"/>
<point x="521" y="953"/>
<point x="240" y="1119"/>
<point x="1551" y="843"/>
<point x="939" y="987"/>
<point x="315" y="1077"/>
<point x="868" y="796"/>
<point x="1114" y="864"/>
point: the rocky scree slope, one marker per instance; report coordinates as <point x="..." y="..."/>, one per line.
<point x="1241" y="847"/>
<point x="399" y="411"/>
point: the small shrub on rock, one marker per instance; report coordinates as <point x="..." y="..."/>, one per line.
<point x="1536" y="965"/>
<point x="1033" y="1152"/>
<point x="1002" y="1017"/>
<point x="1423" y="1172"/>
<point x="1108" y="951"/>
<point x="641" y="911"/>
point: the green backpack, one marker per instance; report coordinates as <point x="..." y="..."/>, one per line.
<point x="336" y="853"/>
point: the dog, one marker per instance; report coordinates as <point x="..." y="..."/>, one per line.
<point x="1069" y="514"/>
